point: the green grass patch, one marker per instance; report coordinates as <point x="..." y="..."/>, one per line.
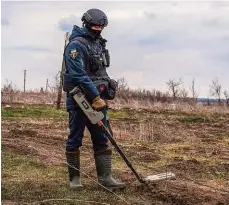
<point x="225" y="138"/>
<point x="192" y="119"/>
<point x="26" y="180"/>
<point x="33" y="112"/>
<point x="122" y="114"/>
<point x="22" y="168"/>
<point x="218" y="176"/>
<point x="52" y="113"/>
<point x="195" y="117"/>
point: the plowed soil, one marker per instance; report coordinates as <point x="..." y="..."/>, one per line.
<point x="198" y="153"/>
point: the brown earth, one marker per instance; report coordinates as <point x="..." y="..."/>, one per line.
<point x="196" y="152"/>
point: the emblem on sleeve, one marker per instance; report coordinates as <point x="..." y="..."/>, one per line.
<point x="73" y="53"/>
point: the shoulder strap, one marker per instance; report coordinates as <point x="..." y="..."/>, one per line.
<point x="82" y="41"/>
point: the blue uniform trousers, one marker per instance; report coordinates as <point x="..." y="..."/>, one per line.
<point x="77" y="123"/>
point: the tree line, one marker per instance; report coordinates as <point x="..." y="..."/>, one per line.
<point x="175" y="92"/>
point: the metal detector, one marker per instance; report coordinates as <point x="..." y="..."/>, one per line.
<point x="96" y="117"/>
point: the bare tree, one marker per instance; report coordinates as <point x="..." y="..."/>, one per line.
<point x="194" y="91"/>
<point x="123" y="90"/>
<point x="226" y="95"/>
<point x="183" y="94"/>
<point x="216" y="89"/>
<point x="9" y="87"/>
<point x="56" y="82"/>
<point x="8" y="91"/>
<point x="42" y="90"/>
<point x="158" y="95"/>
<point x="122" y="84"/>
<point x="174" y="86"/>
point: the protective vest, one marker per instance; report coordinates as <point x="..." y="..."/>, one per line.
<point x="97" y="59"/>
<point x="96" y="62"/>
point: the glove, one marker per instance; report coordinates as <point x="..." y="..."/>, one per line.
<point x="98" y="103"/>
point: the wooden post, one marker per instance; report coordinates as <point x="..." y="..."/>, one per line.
<point x="61" y="75"/>
<point x="47" y="84"/>
<point x="24" y="79"/>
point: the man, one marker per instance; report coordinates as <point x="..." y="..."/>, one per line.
<point x="86" y="59"/>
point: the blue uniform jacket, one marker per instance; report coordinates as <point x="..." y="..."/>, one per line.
<point x="75" y="56"/>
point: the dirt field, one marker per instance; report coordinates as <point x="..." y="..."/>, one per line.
<point x="194" y="146"/>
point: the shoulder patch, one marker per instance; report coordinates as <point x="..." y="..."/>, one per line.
<point x="73" y="53"/>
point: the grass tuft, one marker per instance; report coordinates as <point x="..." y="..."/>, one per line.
<point x="33" y="112"/>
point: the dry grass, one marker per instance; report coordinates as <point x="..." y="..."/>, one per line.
<point x="36" y="98"/>
<point x="119" y="104"/>
<point x="192" y="145"/>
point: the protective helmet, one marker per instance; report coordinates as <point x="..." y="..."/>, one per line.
<point x="95" y="17"/>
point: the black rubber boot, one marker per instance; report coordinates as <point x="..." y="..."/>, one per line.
<point x="73" y="159"/>
<point x="103" y="167"/>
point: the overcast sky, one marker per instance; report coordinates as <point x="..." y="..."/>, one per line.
<point x="149" y="42"/>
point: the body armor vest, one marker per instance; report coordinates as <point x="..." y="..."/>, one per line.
<point x="97" y="59"/>
<point x="96" y="62"/>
